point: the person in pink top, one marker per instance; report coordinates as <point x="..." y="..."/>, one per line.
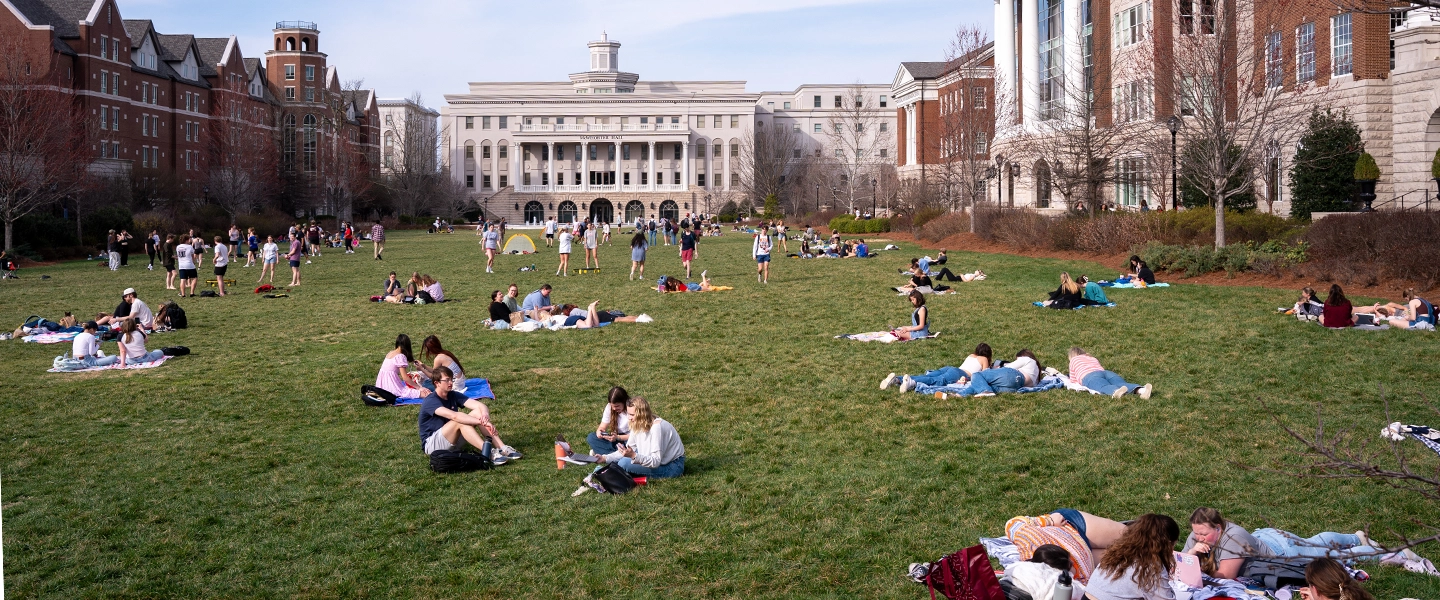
<point x="393" y="378"/>
<point x="1085" y="370"/>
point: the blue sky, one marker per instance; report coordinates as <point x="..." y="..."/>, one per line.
<point x="436" y="47"/>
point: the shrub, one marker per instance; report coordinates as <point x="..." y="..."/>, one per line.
<point x="1435" y="165"/>
<point x="1191" y="260"/>
<point x="1020" y="229"/>
<point x="849" y="224"/>
<point x="1365" y="168"/>
<point x="944" y="226"/>
<point x="730" y="212"/>
<point x="1365" y="247"/>
<point x="1323" y="177"/>
<point x="925" y="215"/>
<point x="772" y="207"/>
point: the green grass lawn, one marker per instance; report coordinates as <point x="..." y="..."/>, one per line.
<point x="251" y="468"/>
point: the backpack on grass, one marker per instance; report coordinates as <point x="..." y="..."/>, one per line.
<point x="614" y="479"/>
<point x="175" y="351"/>
<point x="451" y="461"/>
<point x="1277" y="572"/>
<point x="171" y="314"/>
<point x="374" y="396"/>
<point x="964" y="575"/>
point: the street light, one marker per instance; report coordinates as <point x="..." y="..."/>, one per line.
<point x="873" y="184"/>
<point x="999" y="180"/>
<point x="817" y="198"/>
<point x="1014" y="172"/>
<point x="1174" y="124"/>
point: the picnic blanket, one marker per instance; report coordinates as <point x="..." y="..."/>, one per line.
<point x="1106" y="305"/>
<point x="925" y="290"/>
<point x="1397" y="431"/>
<point x="1130" y="286"/>
<point x="51" y="338"/>
<point x="883" y="337"/>
<point x="145" y="365"/>
<point x="475" y="388"/>
<point x="1045" y="384"/>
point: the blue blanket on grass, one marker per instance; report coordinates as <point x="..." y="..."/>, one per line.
<point x="1127" y="286"/>
<point x="475" y="388"/>
<point x="1045" y="384"/>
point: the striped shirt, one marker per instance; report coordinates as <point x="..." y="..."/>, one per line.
<point x="1083" y="365"/>
<point x="1029" y="533"/>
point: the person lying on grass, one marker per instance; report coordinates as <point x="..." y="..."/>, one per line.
<point x="1226" y="549"/>
<point x="1069" y="295"/>
<point x="1139" y="564"/>
<point x="1086" y="371"/>
<point x="977" y="361"/>
<point x="1083" y="536"/>
<point x="590" y="317"/>
<point x="1414" y="312"/>
<point x="443" y="427"/>
<point x="672" y="285"/>
<point x="1308" y="306"/>
<point x="923" y="265"/>
<point x="614" y="426"/>
<point x="1024" y="371"/>
<point x="919" y="327"/>
<point x="654" y="448"/>
<point x="1038" y="576"/>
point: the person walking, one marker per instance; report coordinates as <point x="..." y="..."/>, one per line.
<point x="687" y="249"/>
<point x="377" y="237"/>
<point x="252" y="244"/>
<point x="492" y="246"/>
<point x="564" y="246"/>
<point x="270" y="255"/>
<point x="152" y="247"/>
<point x="297" y="250"/>
<point x="760" y="249"/>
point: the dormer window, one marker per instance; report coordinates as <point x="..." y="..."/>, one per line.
<point x="145" y="57"/>
<point x="188" y="68"/>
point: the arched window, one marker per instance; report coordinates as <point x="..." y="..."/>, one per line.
<point x="289" y="143"/>
<point x="311" y="142"/>
<point x="305" y="44"/>
<point x="567" y="212"/>
<point x="290" y="44"/>
<point x="670" y="210"/>
<point x="534" y="212"/>
<point x="1042" y="184"/>
<point x="634" y="209"/>
<point x="601" y="211"/>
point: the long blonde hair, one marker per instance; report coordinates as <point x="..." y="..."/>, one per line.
<point x="643" y="418"/>
<point x="128" y="327"/>
<point x="1209" y="562"/>
<point x="1069" y="284"/>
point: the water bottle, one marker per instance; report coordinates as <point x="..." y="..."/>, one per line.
<point x="487" y="449"/>
<point x="1062" y="587"/>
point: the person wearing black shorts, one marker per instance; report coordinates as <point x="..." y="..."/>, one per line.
<point x="221" y="262"/>
<point x="185" y="259"/>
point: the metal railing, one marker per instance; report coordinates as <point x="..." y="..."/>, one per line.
<point x="1420" y="199"/>
<point x="311" y="25"/>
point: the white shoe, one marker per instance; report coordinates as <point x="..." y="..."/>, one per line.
<point x="644" y="319"/>
<point x="888" y="381"/>
<point x="984" y="395"/>
<point x="1118" y="393"/>
<point x="906" y="384"/>
<point x="1146" y="391"/>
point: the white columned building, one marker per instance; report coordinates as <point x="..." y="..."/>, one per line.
<point x="608" y="146"/>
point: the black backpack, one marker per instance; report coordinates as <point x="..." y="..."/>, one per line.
<point x="175" y="315"/>
<point x="451" y="461"/>
<point x="176" y="351"/>
<point x="374" y="396"/>
<point x="1277" y="572"/>
<point x="614" y="479"/>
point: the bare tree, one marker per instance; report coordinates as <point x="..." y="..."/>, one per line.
<point x="244" y="146"/>
<point x="347" y="172"/>
<point x="855" y="141"/>
<point x="769" y="156"/>
<point x="45" y="136"/>
<point x="409" y="167"/>
<point x="1234" y="104"/>
<point x="966" y="121"/>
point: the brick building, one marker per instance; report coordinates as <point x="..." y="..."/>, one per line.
<point x="945" y="113"/>
<point x="165" y="106"/>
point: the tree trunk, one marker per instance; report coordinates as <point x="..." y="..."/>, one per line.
<point x="9" y="235"/>
<point x="1219" y="222"/>
<point x="79" y="230"/>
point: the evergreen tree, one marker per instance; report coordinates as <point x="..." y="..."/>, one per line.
<point x="1191" y="196"/>
<point x="1323" y="177"/>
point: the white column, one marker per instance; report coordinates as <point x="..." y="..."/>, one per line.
<point x="550" y="165"/>
<point x="1073" y="52"/>
<point x="725" y="147"/>
<point x="685" y="165"/>
<point x="652" y="166"/>
<point x="709" y="159"/>
<point x="1029" y="59"/>
<point x="910" y="128"/>
<point x="517" y="161"/>
<point x="615" y="164"/>
<point x="585" y="166"/>
<point x="1004" y="50"/>
<point x="494" y="166"/>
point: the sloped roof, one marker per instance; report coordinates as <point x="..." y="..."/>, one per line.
<point x="212" y="51"/>
<point x="174" y="46"/>
<point x="63" y="15"/>
<point x="251" y="65"/>
<point x="924" y="70"/>
<point x="137" y="28"/>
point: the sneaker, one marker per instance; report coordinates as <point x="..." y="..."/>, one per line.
<point x="984" y="394"/>
<point x="1422" y="566"/>
<point x="498" y="459"/>
<point x="511" y="453"/>
<point x="1118" y="393"/>
<point x="888" y="381"/>
<point x="1145" y="391"/>
<point x="918" y="571"/>
<point x="643" y="318"/>
<point x="702" y="273"/>
<point x="906" y="384"/>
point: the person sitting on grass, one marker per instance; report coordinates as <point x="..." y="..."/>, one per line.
<point x="499" y="312"/>
<point x="614" y="426"/>
<point x="1226" y="549"/>
<point x="1337" y="313"/>
<point x="132" y="345"/>
<point x="406" y="292"/>
<point x="1327" y="579"/>
<point x="131" y="308"/>
<point x="440" y="358"/>
<point x="1139" y="564"/>
<point x="1308" y="306"/>
<point x="393" y="377"/>
<point x="654" y="448"/>
<point x="1415" y="312"/>
<point x="432" y="287"/>
<point x="512" y="298"/>
<point x="920" y="282"/>
<point x="537" y="305"/>
<point x="1068" y="295"/>
<point x="86" y="347"/>
<point x="977" y="361"/>
<point x="919" y="327"/>
<point x="1092" y="290"/>
<point x="393" y="287"/>
<point x="923" y="265"/>
<point x="1140" y="270"/>
<point x="1086" y="371"/>
<point x="444" y="427"/>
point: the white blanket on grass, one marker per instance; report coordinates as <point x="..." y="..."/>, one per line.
<point x="144" y="365"/>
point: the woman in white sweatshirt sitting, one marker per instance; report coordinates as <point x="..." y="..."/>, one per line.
<point x="654" y="450"/>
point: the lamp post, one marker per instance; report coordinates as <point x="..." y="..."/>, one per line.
<point x="1174" y="124"/>
<point x="817" y="198"/>
<point x="873" y="187"/>
<point x="1000" y="180"/>
<point x="1014" y="172"/>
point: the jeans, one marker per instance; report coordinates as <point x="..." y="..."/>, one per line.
<point x="940" y="376"/>
<point x="674" y="468"/>
<point x="100" y="361"/>
<point x="500" y="325"/>
<point x="995" y="381"/>
<point x="1317" y="546"/>
<point x="150" y="356"/>
<point x="1106" y="382"/>
<point x="601" y="445"/>
<point x="652" y="237"/>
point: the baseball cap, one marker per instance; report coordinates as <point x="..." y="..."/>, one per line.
<point x="127" y="292"/>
